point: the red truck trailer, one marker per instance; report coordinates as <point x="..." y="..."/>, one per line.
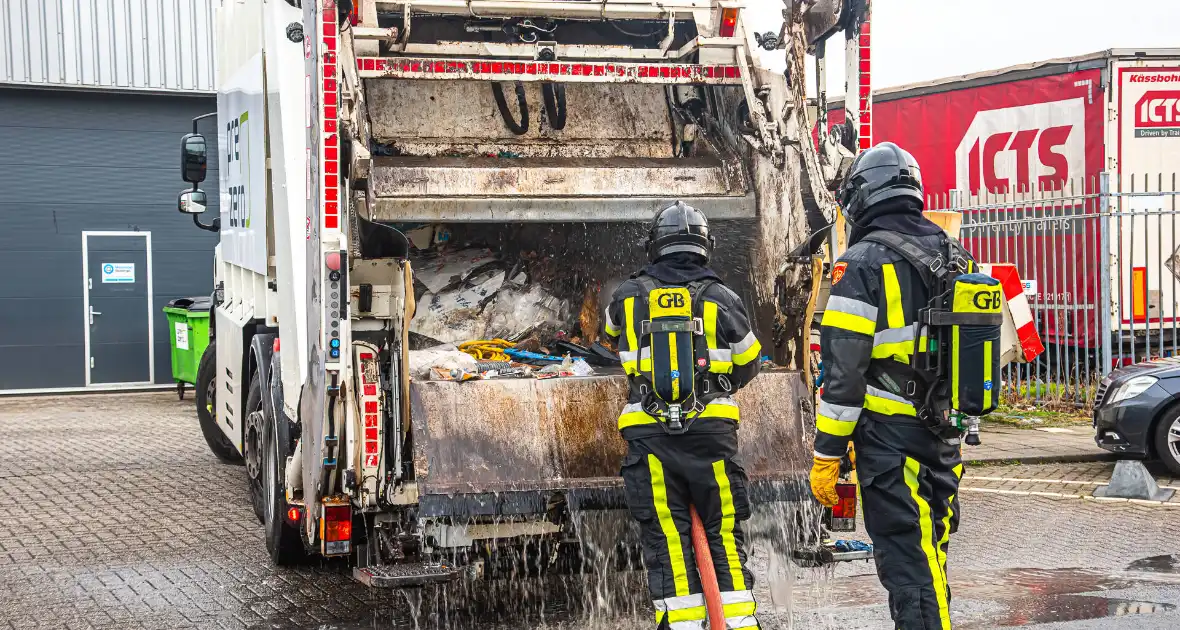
<point x="1067" y="168"/>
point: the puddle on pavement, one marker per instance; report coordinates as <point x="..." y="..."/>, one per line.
<point x="1057" y="608"/>
<point x="1027" y="596"/>
<point x="1157" y="564"/>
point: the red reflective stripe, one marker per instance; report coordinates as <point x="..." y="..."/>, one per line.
<point x="370" y="420"/>
<point x="331" y="222"/>
<point x="370" y="406"/>
<point x="370" y="448"/>
<point x="370" y="434"/>
<point x="370" y="390"/>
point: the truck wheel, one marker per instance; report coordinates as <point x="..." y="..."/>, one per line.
<point x="252" y="432"/>
<point x="283" y="541"/>
<point x="1167" y="441"/>
<point x="206" y="397"/>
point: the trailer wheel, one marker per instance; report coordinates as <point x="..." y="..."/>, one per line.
<point x="252" y="449"/>
<point x="206" y="397"/>
<point x="283" y="541"/>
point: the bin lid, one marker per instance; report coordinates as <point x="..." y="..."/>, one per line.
<point x="193" y="304"/>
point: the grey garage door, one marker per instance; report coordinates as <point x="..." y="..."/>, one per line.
<point x="105" y="165"/>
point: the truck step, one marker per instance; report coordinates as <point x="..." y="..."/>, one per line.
<point x="408" y="574"/>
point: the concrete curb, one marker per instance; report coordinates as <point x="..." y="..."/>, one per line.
<point x="1064" y="458"/>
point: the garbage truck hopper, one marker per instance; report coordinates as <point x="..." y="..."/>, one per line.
<point x="514" y="447"/>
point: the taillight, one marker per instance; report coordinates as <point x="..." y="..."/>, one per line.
<point x="843" y="517"/>
<point x="294" y="515"/>
<point x="336" y="529"/>
<point x="728" y="22"/>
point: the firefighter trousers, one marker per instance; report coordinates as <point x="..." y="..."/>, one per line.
<point x="909" y="482"/>
<point x="664" y="476"/>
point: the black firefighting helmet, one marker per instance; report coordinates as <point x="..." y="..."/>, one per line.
<point x="679" y="228"/>
<point x="883" y="172"/>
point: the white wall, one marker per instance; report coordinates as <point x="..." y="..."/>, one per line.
<point x="155" y="45"/>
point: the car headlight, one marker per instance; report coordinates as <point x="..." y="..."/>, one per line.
<point x="1133" y="388"/>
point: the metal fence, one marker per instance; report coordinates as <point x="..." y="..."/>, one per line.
<point x="1099" y="262"/>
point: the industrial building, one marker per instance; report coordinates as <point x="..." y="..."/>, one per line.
<point x="94" y="98"/>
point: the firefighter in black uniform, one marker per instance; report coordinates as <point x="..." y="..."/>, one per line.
<point x="682" y="457"/>
<point x="908" y="472"/>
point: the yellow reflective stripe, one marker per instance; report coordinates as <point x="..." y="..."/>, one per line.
<point x="955" y="367"/>
<point x="645" y="365"/>
<point x="721" y="410"/>
<point x="635" y="418"/>
<point x="612" y="331"/>
<point x="987" y="375"/>
<point x="744" y="609"/>
<point x="696" y="613"/>
<point x="674" y="362"/>
<point x="675" y="547"/>
<point x="629" y="311"/>
<point x="831" y="426"/>
<point x="750" y="354"/>
<point x="888" y="407"/>
<point x="721" y="367"/>
<point x="946" y="535"/>
<point x="728" y="519"/>
<point x="712" y="410"/>
<point x="897" y="349"/>
<point x="926" y="525"/>
<point x="710" y="321"/>
<point x="846" y="321"/>
<point x="896" y="315"/>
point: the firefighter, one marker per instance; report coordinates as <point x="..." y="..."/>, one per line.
<point x="676" y="324"/>
<point x="908" y="470"/>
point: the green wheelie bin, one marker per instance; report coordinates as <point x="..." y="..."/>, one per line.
<point x="188" y="331"/>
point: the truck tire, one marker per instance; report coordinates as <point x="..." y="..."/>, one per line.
<point x="283" y="541"/>
<point x="1167" y="440"/>
<point x="206" y="399"/>
<point x="253" y="429"/>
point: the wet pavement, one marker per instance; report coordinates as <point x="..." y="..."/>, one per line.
<point x="118" y="517"/>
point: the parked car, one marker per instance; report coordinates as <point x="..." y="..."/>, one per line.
<point x="1137" y="412"/>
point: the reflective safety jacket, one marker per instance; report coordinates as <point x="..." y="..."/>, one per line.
<point x="734" y="354"/>
<point x="870" y="316"/>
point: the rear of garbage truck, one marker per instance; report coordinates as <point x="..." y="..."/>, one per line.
<point x="475" y="179"/>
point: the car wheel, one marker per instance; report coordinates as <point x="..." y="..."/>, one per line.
<point x="206" y="399"/>
<point x="1167" y="441"/>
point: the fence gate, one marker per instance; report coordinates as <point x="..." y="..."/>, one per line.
<point x="1100" y="266"/>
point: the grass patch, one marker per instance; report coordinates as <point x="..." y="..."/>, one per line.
<point x="1027" y="415"/>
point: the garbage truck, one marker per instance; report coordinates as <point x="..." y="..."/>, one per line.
<point x="397" y="176"/>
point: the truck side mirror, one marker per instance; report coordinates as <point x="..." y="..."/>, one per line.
<point x="192" y="202"/>
<point x="193" y="158"/>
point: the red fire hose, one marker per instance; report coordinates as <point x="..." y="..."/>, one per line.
<point x="704" y="557"/>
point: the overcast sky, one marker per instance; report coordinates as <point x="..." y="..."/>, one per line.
<point x="919" y="40"/>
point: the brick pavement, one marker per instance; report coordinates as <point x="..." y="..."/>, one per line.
<point x="1032" y="445"/>
<point x="117" y="516"/>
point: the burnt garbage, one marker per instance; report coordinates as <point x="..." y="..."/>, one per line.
<point x="541" y="288"/>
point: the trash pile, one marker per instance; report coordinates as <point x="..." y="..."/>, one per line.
<point x="482" y="317"/>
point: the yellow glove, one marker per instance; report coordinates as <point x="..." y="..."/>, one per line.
<point x="824" y="473"/>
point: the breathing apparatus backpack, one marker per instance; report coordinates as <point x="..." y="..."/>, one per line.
<point x="677" y="386"/>
<point x="955" y="366"/>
